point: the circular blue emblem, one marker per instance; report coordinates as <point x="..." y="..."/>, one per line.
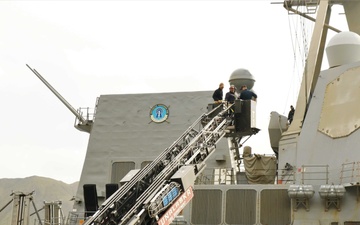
<point x="159" y="113"/>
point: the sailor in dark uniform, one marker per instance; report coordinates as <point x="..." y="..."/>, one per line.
<point x="230" y="96"/>
<point x="218" y="94"/>
<point x="247" y="94"/>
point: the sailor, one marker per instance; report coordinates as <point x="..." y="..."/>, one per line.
<point x="247" y="94"/>
<point x="291" y="114"/>
<point x="218" y="93"/>
<point x="230" y="96"/>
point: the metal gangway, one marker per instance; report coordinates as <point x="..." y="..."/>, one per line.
<point x="151" y="191"/>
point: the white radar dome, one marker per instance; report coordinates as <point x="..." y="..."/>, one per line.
<point x="242" y="77"/>
<point x="343" y="48"/>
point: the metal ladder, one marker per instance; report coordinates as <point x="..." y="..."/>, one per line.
<point x="192" y="148"/>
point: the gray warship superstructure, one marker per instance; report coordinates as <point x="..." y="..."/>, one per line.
<point x="176" y="158"/>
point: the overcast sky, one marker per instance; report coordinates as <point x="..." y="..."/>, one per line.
<point x="89" y="48"/>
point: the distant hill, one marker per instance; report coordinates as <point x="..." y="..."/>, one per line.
<point x="46" y="189"/>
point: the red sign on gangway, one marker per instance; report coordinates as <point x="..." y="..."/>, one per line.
<point x="176" y="207"/>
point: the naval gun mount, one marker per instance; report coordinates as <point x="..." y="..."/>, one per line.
<point x="81" y="123"/>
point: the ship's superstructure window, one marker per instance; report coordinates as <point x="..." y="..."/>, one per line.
<point x="120" y="169"/>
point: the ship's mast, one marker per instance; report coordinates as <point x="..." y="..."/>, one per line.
<point x="290" y="149"/>
<point x="316" y="50"/>
<point x="313" y="63"/>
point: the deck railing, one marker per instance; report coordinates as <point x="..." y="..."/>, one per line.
<point x="350" y="172"/>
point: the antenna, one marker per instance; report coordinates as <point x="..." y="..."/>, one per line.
<point x="84" y="125"/>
